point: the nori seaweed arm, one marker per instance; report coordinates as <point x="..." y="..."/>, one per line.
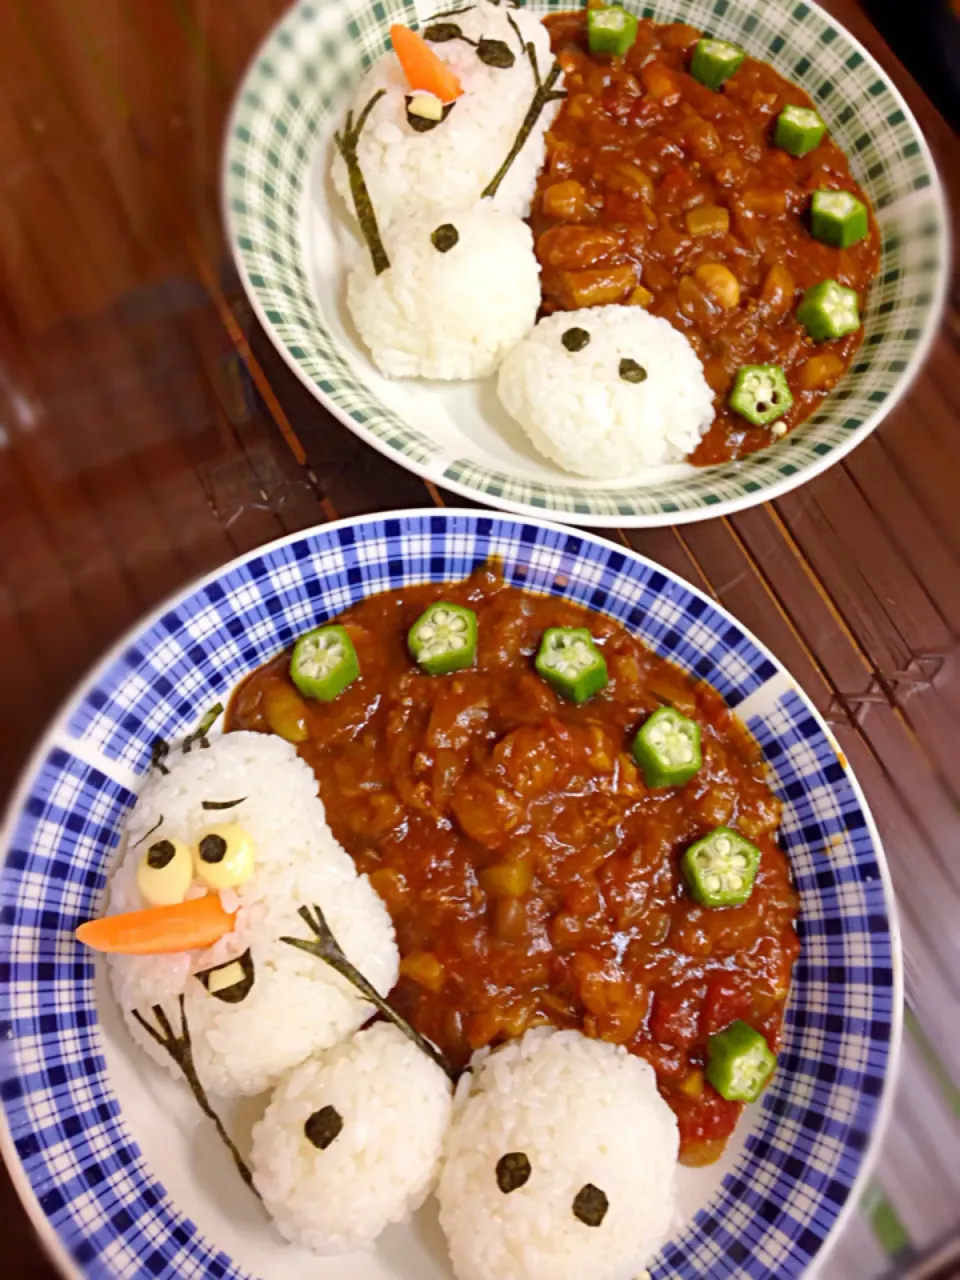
<point x="207" y="721"/>
<point x="327" y="948"/>
<point x="545" y="93"/>
<point x="180" y="1050"/>
<point x="347" y="143"/>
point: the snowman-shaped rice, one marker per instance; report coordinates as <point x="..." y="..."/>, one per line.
<point x="237" y="830"/>
<point x="438" y="182"/>
<point x="450" y="103"/>
<point x="556" y="1160"/>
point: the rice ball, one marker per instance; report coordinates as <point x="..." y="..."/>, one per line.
<point x="560" y="1163"/>
<point x="254" y="1005"/>
<point x="606" y="391"/>
<point x="451" y="162"/>
<point x="462" y="288"/>
<point x="351" y="1141"/>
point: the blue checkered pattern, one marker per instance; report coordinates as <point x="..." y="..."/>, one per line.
<point x="802" y="1158"/>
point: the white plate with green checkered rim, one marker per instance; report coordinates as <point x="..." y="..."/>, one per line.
<point x="287" y="232"/>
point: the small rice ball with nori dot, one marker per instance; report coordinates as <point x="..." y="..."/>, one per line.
<point x="560" y="1163"/>
<point x="351" y="1141"/>
<point x="462" y="288"/>
<point x="607" y="391"/>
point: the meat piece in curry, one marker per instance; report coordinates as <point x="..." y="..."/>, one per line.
<point x="663" y="193"/>
<point x="532" y="875"/>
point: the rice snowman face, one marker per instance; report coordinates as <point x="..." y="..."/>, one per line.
<point x="607" y="391"/>
<point x="559" y="1164"/>
<point x="414" y="167"/>
<point x="462" y="288"/>
<point x="254" y="1005"/>
<point x="351" y="1141"/>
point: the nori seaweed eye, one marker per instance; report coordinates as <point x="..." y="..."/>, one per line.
<point x="575" y="339"/>
<point x="161" y="854"/>
<point x="630" y="371"/>
<point x="212" y="848"/>
<point x="513" y="1170"/>
<point x="495" y="53"/>
<point x="323" y="1127"/>
<point x="590" y="1205"/>
<point x="445" y="237"/>
<point x="442" y="32"/>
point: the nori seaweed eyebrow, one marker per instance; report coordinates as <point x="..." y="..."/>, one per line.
<point x="347" y="143"/>
<point x="451" y="13"/>
<point x="543" y="95"/>
<point x="326" y="948"/>
<point x="156" y="827"/>
<point x="221" y="804"/>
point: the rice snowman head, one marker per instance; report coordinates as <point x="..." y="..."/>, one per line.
<point x="417" y="153"/>
<point x="607" y="391"/>
<point x="351" y="1140"/>
<point x="241" y="821"/>
<point x="462" y="287"/>
<point x="562" y="1148"/>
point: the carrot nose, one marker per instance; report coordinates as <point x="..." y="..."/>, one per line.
<point x="160" y="931"/>
<point x="425" y="72"/>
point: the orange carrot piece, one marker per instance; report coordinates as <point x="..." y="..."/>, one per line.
<point x="425" y="72"/>
<point x="160" y="931"/>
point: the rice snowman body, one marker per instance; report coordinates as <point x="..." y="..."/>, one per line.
<point x="381" y="1108"/>
<point x="450" y="164"/>
<point x="462" y="289"/>
<point x="586" y="1136"/>
<point x="290" y="1004"/>
<point x="607" y="391"/>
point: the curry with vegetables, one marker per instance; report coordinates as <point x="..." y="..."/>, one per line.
<point x="688" y="178"/>
<point x="565" y="828"/>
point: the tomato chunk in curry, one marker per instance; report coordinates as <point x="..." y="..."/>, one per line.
<point x="531" y="875"/>
<point x="662" y="193"/>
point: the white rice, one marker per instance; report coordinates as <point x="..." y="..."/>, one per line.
<point x="395" y="1106"/>
<point x="452" y="314"/>
<point x="582" y="1111"/>
<point x="408" y="172"/>
<point x="579" y="411"/>
<point x="297" y="1004"/>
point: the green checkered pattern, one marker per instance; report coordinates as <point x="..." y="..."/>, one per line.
<point x="303" y="80"/>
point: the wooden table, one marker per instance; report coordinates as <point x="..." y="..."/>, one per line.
<point x="148" y="432"/>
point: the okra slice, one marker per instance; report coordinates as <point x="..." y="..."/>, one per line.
<point x="611" y="30"/>
<point x="798" y="130"/>
<point x="444" y="638"/>
<point x="324" y="662"/>
<point x="571" y="663"/>
<point x="739" y="1062"/>
<point x="667" y="748"/>
<point x="715" y="61"/>
<point x="720" y="869"/>
<point x="760" y="394"/>
<point x="829" y="310"/>
<point x="838" y="218"/>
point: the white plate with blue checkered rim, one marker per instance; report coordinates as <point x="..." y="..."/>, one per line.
<point x="99" y="1147"/>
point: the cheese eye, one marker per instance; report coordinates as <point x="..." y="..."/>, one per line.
<point x="225" y="857"/>
<point x="165" y="873"/>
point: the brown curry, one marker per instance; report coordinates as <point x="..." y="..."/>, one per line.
<point x="531" y="875"/>
<point x="662" y="193"/>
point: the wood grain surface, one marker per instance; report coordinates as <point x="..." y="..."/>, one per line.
<point x="149" y="431"/>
